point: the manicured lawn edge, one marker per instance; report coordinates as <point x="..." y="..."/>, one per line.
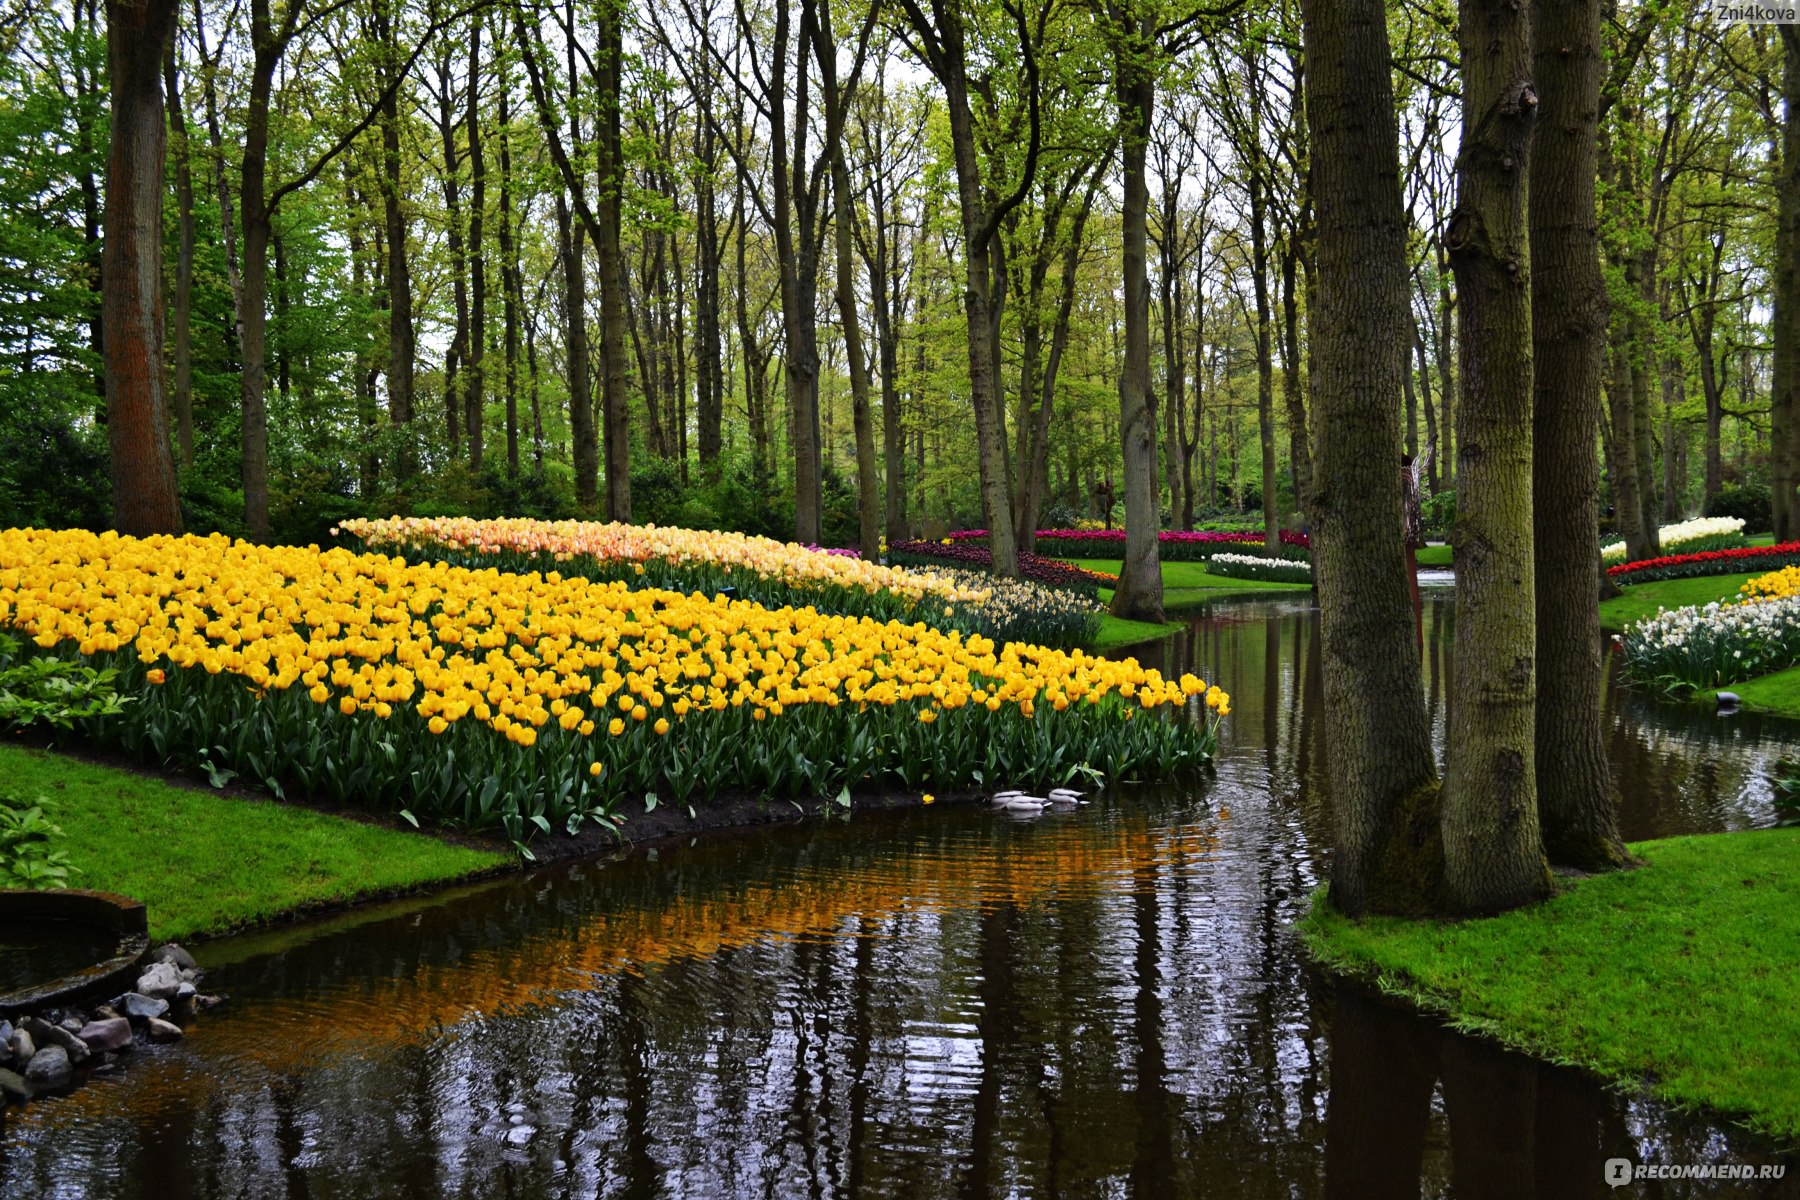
<point x="1641" y="600"/>
<point x="1777" y="694"/>
<point x="207" y="863"/>
<point x="1673" y="978"/>
<point x="1116" y="632"/>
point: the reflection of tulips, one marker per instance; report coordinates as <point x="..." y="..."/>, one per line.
<point x="490" y="698"/>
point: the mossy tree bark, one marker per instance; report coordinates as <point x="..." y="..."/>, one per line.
<point x="137" y="423"/>
<point x="1139" y="596"/>
<point x="1784" y="435"/>
<point x="1493" y="856"/>
<point x="1576" y="807"/>
<point x="1388" y="855"/>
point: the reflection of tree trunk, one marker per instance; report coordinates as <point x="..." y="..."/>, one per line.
<point x="1383" y="1068"/>
<point x="1566" y="1136"/>
<point x="1154" y="1164"/>
<point x="1490" y="1098"/>
<point x="641" y="1171"/>
<point x="996" y="1029"/>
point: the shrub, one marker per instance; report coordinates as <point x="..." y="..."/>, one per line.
<point x="1034" y="567"/>
<point x="1748" y="502"/>
<point x="28" y="854"/>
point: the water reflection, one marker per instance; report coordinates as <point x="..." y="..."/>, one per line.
<point x="942" y="1003"/>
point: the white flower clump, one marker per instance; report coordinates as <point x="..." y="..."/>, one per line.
<point x="1672" y="537"/>
<point x="1705" y="647"/>
<point x="1293" y="569"/>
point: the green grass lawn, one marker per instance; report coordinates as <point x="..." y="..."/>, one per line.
<point x="1116" y="632"/>
<point x="205" y="862"/>
<point x="1778" y="693"/>
<point x="1434" y="556"/>
<point x="1678" y="974"/>
<point x="1641" y="600"/>
<point x="1194" y="576"/>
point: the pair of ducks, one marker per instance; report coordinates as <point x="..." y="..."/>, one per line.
<point x="1019" y="802"/>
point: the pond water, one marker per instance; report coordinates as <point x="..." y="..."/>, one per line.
<point x="942" y="1002"/>
<point x="36" y="952"/>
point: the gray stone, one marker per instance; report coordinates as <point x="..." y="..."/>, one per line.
<point x="185" y="1003"/>
<point x="13" y="1085"/>
<point x="164" y="1031"/>
<point x="47" y="1035"/>
<point x="174" y="955"/>
<point x="107" y="1035"/>
<point x="24" y="1047"/>
<point x="189" y="975"/>
<point x="73" y="1024"/>
<point x="105" y="1012"/>
<point x="49" y="1067"/>
<point x="206" y="1002"/>
<point x="142" y="1008"/>
<point x="160" y="981"/>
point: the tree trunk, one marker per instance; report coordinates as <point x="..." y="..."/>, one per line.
<point x="583" y="453"/>
<point x="459" y="285"/>
<point x="868" y="487"/>
<point x="511" y="283"/>
<point x="473" y="378"/>
<point x="401" y="345"/>
<point x="798" y="267"/>
<point x="1299" y="452"/>
<point x="1784" y="403"/>
<point x="182" y="306"/>
<point x="1576" y="805"/>
<point x="256" y="220"/>
<point x="1139" y="596"/>
<point x="1387" y="856"/>
<point x="1493" y="856"/>
<point x="138" y="40"/>
<point x="1265" y="349"/>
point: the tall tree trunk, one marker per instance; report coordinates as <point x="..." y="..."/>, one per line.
<point x="87" y="109"/>
<point x="1174" y="331"/>
<point x="401" y="344"/>
<point x="1449" y="342"/>
<point x="459" y="282"/>
<point x="583" y="452"/>
<point x="614" y="402"/>
<point x="1493" y="856"/>
<point x="943" y="37"/>
<point x="364" y="364"/>
<point x="1139" y="596"/>
<point x="511" y="282"/>
<point x="474" y="380"/>
<point x="1576" y="805"/>
<point x="868" y="487"/>
<point x="1387" y="856"/>
<point x="1299" y="452"/>
<point x="138" y="39"/>
<point x="257" y="222"/>
<point x="182" y="305"/>
<point x="1265" y="348"/>
<point x="1784" y="396"/>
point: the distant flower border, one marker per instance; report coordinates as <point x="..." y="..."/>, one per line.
<point x="1707" y="562"/>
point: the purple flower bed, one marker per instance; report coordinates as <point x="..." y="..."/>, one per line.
<point x="1173" y="545"/>
<point x="1034" y="567"/>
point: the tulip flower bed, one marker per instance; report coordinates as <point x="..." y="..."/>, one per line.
<point x="487" y="699"/>
<point x="1689" y="537"/>
<point x="1717" y="644"/>
<point x="760" y="569"/>
<point x="1708" y="562"/>
<point x="1020" y="610"/>
<point x="1172" y="545"/>
<point x="976" y="556"/>
<point x="1256" y="566"/>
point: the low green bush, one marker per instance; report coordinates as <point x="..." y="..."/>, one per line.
<point x="1749" y="501"/>
<point x="29" y="857"/>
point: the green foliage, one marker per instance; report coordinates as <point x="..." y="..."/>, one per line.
<point x="1784" y="781"/>
<point x="1438" y="511"/>
<point x="1749" y="501"/>
<point x="29" y="857"/>
<point x="36" y="689"/>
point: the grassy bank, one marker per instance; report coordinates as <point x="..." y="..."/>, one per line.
<point x="1186" y="585"/>
<point x="206" y="862"/>
<point x="1641" y="600"/>
<point x="1778" y="693"/>
<point x="1675" y="976"/>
